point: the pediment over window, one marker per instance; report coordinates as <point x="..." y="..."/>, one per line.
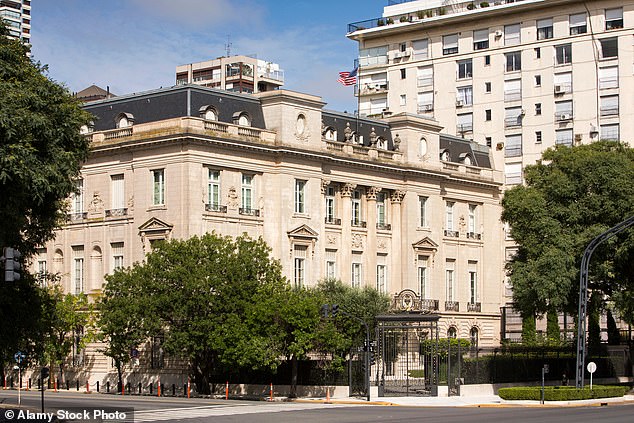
<point x="303" y="231"/>
<point x="425" y="245"/>
<point x="155" y="225"/>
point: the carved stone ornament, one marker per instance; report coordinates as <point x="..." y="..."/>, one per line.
<point x="131" y="202"/>
<point x="408" y="301"/>
<point x="357" y="241"/>
<point x="397" y="196"/>
<point x="347" y="189"/>
<point x="373" y="138"/>
<point x="397" y="143"/>
<point x="331" y="239"/>
<point x="381" y="244"/>
<point x="301" y="128"/>
<point x="232" y="198"/>
<point x="462" y="223"/>
<point x="347" y="133"/>
<point x="324" y="185"/>
<point x="372" y="192"/>
<point x="96" y="204"/>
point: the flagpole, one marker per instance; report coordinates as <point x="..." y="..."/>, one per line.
<point x="358" y="91"/>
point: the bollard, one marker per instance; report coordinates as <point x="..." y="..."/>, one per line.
<point x="4" y="384"/>
<point x="122" y="389"/>
<point x="173" y="389"/>
<point x="162" y="388"/>
<point x="227" y="391"/>
<point x="189" y="391"/>
<point x="77" y="383"/>
<point x="184" y="390"/>
<point x="38" y="384"/>
<point x="11" y="383"/>
<point x="97" y="386"/>
<point x="130" y="388"/>
<point x="28" y="384"/>
<point x="151" y="388"/>
<point x="108" y="387"/>
<point x="55" y="385"/>
<point x="158" y="388"/>
<point x="67" y="385"/>
<point x="139" y="388"/>
<point x="87" y="387"/>
<point x="271" y="393"/>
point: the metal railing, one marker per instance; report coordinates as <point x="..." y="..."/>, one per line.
<point x="452" y="234"/>
<point x="452" y="306"/>
<point x="358" y="223"/>
<point x="249" y="212"/>
<point x="384" y="226"/>
<point x="475" y="307"/>
<point x="332" y="221"/>
<point x="215" y="208"/>
<point x="474" y="235"/>
<point x="78" y="216"/>
<point x="117" y="212"/>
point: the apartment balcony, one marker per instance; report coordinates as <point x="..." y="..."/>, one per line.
<point x="217" y="208"/>
<point x="358" y="223"/>
<point x="384" y="226"/>
<point x="425" y="108"/>
<point x="427" y="304"/>
<point x="117" y="212"/>
<point x="374" y="88"/>
<point x="246" y="211"/>
<point x="513" y="122"/>
<point x="434" y="13"/>
<point x="562" y="88"/>
<point x="452" y="306"/>
<point x="277" y="75"/>
<point x="332" y="221"/>
<point x="474" y="307"/>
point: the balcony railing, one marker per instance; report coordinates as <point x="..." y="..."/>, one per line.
<point x="249" y="212"/>
<point x="452" y="234"/>
<point x="118" y="133"/>
<point x="78" y="216"/>
<point x="211" y="125"/>
<point x="358" y="223"/>
<point x="474" y="235"/>
<point x="452" y="306"/>
<point x="384" y="226"/>
<point x="425" y="108"/>
<point x="215" y="208"/>
<point x="116" y="212"/>
<point x="513" y="121"/>
<point x="374" y="88"/>
<point x="249" y="132"/>
<point x="427" y="304"/>
<point x="332" y="221"/>
<point x="476" y="307"/>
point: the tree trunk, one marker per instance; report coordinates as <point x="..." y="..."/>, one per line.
<point x="62" y="376"/>
<point x="117" y="364"/>
<point x="294" y="364"/>
<point x="201" y="371"/>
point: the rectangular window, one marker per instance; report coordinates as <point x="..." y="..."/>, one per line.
<point x="538" y="137"/>
<point x="158" y="193"/>
<point x="465" y="96"/>
<point x="300" y="265"/>
<point x="487" y="60"/>
<point x="487" y="87"/>
<point x="489" y="141"/>
<point x="513" y="90"/>
<point x="449" y="280"/>
<point x="472" y="219"/>
<point x="538" y="80"/>
<point x="481" y="39"/>
<point x="117" y="255"/>
<point x="578" y="24"/>
<point x="614" y="18"/>
<point x="610" y="132"/>
<point x="512" y="35"/>
<point x="450" y="44"/>
<point x="465" y="69"/>
<point x="609" y="105"/>
<point x="464" y="123"/>
<point x="563" y="110"/>
<point x="402" y="100"/>
<point x="609" y="48"/>
<point x="373" y="56"/>
<point x="538" y="53"/>
<point x="403" y="73"/>
<point x="78" y="269"/>
<point x="563" y="54"/>
<point x="422" y="211"/>
<point x="331" y="264"/>
<point x="380" y="210"/>
<point x="513" y="173"/>
<point x="356" y="208"/>
<point x="41" y="272"/>
<point x="544" y="29"/>
<point x="563" y="137"/>
<point x="118" y="192"/>
<point x="420" y="48"/>
<point x="449" y="215"/>
<point x="330" y="205"/>
<point x="512" y="117"/>
<point x="356" y="275"/>
<point x="78" y="197"/>
<point x="538" y="109"/>
<point x="487" y="115"/>
<point x="563" y="82"/>
<point x="425" y="102"/>
<point x="473" y="282"/>
<point x="300" y="187"/>
<point x="513" y="146"/>
<point x="422" y="277"/>
<point x="425" y="76"/>
<point x="609" y="77"/>
<point x="381" y="278"/>
<point x="247" y="193"/>
<point x="513" y="61"/>
<point x="213" y="189"/>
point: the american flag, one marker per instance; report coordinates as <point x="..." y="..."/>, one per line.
<point x="348" y="78"/>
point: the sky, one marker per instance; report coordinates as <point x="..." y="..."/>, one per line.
<point x="135" y="45"/>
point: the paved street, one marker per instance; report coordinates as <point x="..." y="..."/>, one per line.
<point x="153" y="409"/>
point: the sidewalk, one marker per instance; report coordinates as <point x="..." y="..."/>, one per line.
<point x="471" y="401"/>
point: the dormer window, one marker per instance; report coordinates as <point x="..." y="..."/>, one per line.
<point x="208" y="113"/>
<point x="466" y="159"/>
<point x="381" y="143"/>
<point x="242" y="119"/>
<point x="124" y="120"/>
<point x="330" y="134"/>
<point x="87" y="129"/>
<point x="445" y="156"/>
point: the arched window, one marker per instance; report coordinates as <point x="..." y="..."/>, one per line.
<point x="445" y="156"/>
<point x="208" y="113"/>
<point x="87" y="129"/>
<point x="452" y="333"/>
<point x="422" y="147"/>
<point x="330" y="134"/>
<point x="124" y="120"/>
<point x="242" y="119"/>
<point x="381" y="143"/>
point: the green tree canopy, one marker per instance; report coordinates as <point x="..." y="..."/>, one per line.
<point x="572" y="195"/>
<point x="41" y="149"/>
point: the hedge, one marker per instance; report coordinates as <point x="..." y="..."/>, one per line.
<point x="562" y="393"/>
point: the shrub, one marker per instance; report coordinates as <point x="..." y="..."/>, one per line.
<point x="561" y="393"/>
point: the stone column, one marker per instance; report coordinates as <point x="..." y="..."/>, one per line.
<point x="398" y="271"/>
<point x="370" y="250"/>
<point x="346" y="233"/>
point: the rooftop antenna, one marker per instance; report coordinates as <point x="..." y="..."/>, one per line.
<point x="228" y="46"/>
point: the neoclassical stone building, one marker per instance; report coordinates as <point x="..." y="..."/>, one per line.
<point x="392" y="203"/>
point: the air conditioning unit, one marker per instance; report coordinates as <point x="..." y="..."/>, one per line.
<point x="459" y="103"/>
<point x="406" y="53"/>
<point x="560" y="89"/>
<point x="522" y="112"/>
<point x="398" y="54"/>
<point x="428" y="107"/>
<point x="498" y="33"/>
<point x="565" y="116"/>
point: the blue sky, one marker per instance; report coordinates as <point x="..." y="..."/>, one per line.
<point x="135" y="45"/>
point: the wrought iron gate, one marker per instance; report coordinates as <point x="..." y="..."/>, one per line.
<point x="356" y="373"/>
<point x="407" y="359"/>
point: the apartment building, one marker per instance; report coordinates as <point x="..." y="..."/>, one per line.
<point x="516" y="75"/>
<point x="367" y="201"/>
<point x="16" y="14"/>
<point x="242" y="74"/>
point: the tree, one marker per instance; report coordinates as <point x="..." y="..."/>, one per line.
<point x="572" y="195"/>
<point x="209" y="296"/>
<point x="71" y="325"/>
<point x="41" y="149"/>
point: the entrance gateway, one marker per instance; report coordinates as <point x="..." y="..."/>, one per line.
<point x="407" y="360"/>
